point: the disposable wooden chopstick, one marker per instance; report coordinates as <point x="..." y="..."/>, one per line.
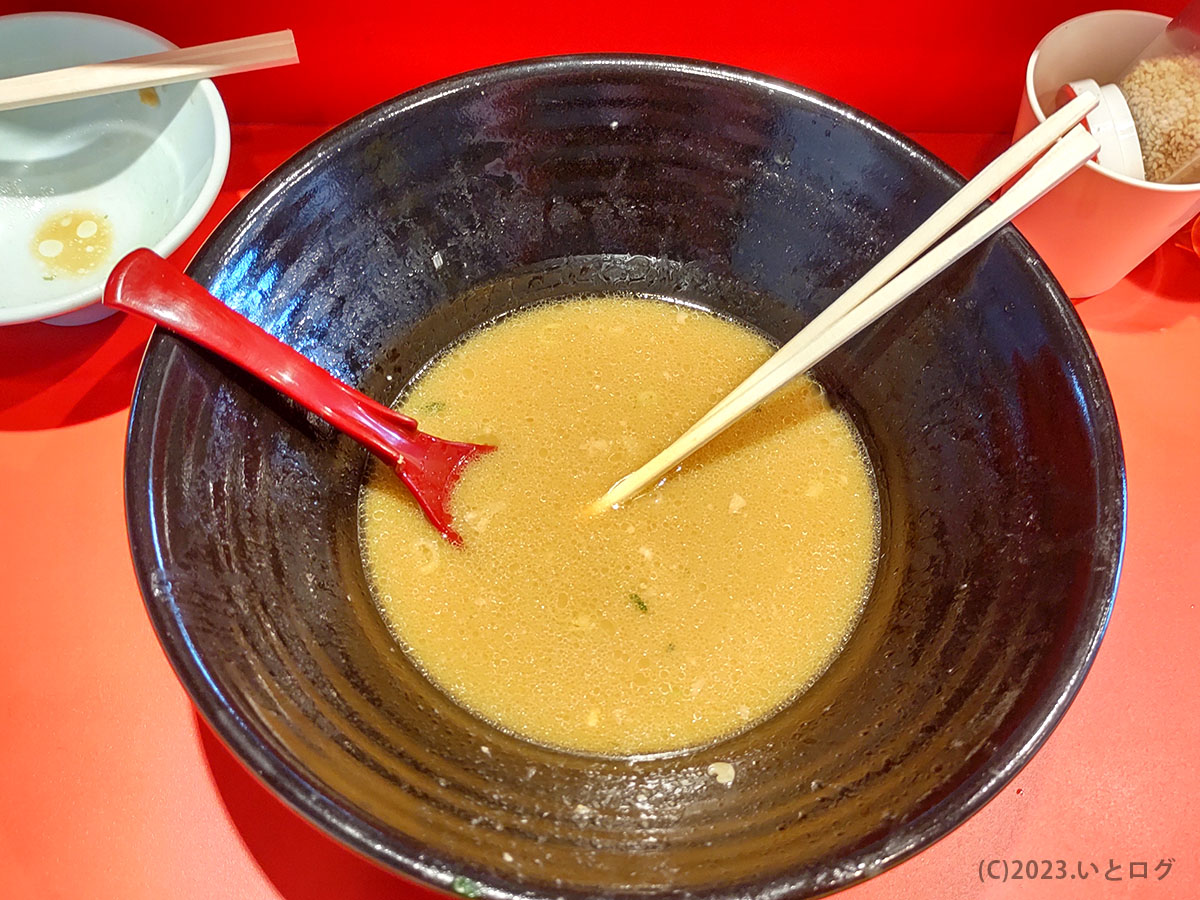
<point x="990" y="179"/>
<point x="797" y="356"/>
<point x="245" y="54"/>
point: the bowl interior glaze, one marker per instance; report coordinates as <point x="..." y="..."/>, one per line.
<point x="985" y="413"/>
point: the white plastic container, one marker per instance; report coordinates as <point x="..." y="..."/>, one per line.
<point x="1148" y="121"/>
<point x="1096" y="226"/>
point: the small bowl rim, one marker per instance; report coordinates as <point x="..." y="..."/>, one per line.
<point x="192" y="216"/>
<point x="420" y="859"/>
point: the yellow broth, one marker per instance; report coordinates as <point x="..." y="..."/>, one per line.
<point x="688" y="614"/>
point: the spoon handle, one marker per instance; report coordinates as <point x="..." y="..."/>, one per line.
<point x="146" y="284"/>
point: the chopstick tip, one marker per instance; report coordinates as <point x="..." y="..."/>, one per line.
<point x="610" y="500"/>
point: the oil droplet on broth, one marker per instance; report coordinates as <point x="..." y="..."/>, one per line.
<point x="73" y="243"/>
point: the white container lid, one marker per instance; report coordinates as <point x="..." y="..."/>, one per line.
<point x="1111" y="123"/>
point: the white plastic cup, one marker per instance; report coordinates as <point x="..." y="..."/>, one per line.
<point x="1094" y="228"/>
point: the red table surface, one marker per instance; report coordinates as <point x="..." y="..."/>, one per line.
<point x="112" y="787"/>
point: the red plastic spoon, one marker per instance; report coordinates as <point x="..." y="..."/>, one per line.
<point x="146" y="284"/>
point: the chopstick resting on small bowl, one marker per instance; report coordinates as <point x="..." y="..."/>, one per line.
<point x="1066" y="146"/>
<point x="247" y="54"/>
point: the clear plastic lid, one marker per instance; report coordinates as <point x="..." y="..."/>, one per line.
<point x="1162" y="90"/>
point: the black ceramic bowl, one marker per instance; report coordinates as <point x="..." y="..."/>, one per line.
<point x="987" y="419"/>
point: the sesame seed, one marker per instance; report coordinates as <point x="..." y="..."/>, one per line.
<point x="1163" y="94"/>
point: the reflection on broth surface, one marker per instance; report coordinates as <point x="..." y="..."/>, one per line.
<point x="690" y="613"/>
